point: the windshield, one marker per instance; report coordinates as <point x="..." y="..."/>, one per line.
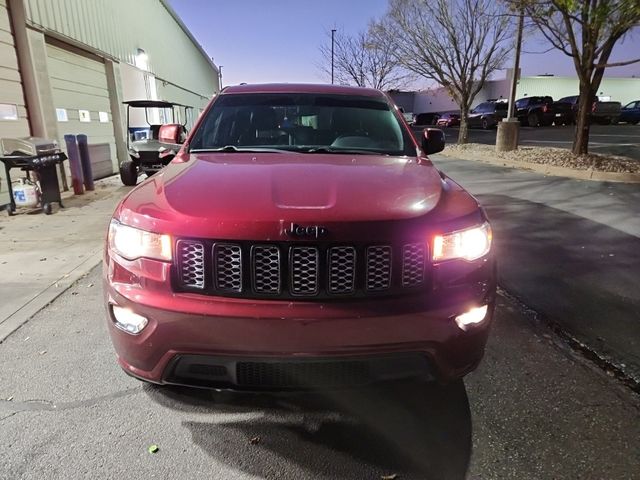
<point x="304" y="123"/>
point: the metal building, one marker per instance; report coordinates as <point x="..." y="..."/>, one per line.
<point x="437" y="99"/>
<point x="66" y="66"/>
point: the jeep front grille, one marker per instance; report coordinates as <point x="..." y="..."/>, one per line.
<point x="285" y="270"/>
<point x="190" y="263"/>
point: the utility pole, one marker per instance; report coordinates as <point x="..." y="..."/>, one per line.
<point x="333" y="33"/>
<point x="220" y="76"/>
<point x="516" y="67"/>
<point x="508" y="134"/>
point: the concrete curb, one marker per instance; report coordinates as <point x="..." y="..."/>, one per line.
<point x="552" y="169"/>
<point x="48" y="295"/>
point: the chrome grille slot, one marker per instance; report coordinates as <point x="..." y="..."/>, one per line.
<point x="190" y="263"/>
<point x="378" y="267"/>
<point x="227" y="267"/>
<point x="304" y="271"/>
<point x="342" y="269"/>
<point x="413" y="257"/>
<point x="266" y="269"/>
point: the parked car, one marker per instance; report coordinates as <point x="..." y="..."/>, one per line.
<point x="422" y="119"/>
<point x="487" y="114"/>
<point x="329" y="252"/>
<point x="542" y="111"/>
<point x="601" y="112"/>
<point x="630" y="113"/>
<point x="448" y="120"/>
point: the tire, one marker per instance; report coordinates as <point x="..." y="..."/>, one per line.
<point x="46" y="208"/>
<point x="485" y="124"/>
<point x="605" y="121"/>
<point x="533" y="119"/>
<point x="128" y="173"/>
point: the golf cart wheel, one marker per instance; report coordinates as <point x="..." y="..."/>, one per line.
<point x="46" y="208"/>
<point x="485" y="124"/>
<point x="533" y="119"/>
<point x="128" y="173"/>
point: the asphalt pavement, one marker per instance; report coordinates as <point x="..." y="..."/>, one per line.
<point x="533" y="410"/>
<point x="569" y="249"/>
<point x="606" y="139"/>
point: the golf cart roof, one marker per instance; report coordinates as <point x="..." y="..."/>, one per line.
<point x="153" y="104"/>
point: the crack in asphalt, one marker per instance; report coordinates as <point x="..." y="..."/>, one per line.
<point x="38" y="405"/>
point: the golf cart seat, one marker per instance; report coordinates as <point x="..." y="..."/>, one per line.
<point x="154" y="130"/>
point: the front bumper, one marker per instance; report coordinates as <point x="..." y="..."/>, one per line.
<point x="208" y="341"/>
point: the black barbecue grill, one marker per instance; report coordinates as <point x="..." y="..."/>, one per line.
<point x="38" y="155"/>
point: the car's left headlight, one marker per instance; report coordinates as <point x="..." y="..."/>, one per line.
<point x="469" y="244"/>
<point x="133" y="243"/>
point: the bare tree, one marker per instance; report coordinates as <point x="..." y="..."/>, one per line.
<point x="457" y="43"/>
<point x="586" y="31"/>
<point x="360" y="61"/>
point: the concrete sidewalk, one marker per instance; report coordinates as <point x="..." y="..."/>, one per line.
<point x="570" y="250"/>
<point x="41" y="255"/>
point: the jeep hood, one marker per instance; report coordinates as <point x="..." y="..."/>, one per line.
<point x="238" y="190"/>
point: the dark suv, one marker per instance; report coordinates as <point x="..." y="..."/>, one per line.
<point x="487" y="114"/>
<point x="301" y="238"/>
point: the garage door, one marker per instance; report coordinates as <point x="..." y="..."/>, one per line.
<point x="81" y="98"/>
<point x="13" y="114"/>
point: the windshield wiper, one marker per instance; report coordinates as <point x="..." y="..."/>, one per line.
<point x="346" y="151"/>
<point x="234" y="149"/>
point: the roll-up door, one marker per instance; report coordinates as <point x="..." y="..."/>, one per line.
<point x="81" y="96"/>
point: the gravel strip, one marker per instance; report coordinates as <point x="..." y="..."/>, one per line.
<point x="558" y="157"/>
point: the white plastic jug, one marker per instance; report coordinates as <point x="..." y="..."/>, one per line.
<point x="25" y="194"/>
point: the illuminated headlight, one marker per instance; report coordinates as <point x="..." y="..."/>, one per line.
<point x="472" y="316"/>
<point x="128" y="321"/>
<point x="132" y="243"/>
<point x="469" y="244"/>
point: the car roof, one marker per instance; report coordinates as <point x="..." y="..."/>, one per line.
<point x="301" y="88"/>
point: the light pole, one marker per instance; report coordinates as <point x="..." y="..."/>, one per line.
<point x="508" y="134"/>
<point x="220" y="76"/>
<point x="333" y="33"/>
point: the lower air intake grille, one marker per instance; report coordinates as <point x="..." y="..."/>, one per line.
<point x="302" y="374"/>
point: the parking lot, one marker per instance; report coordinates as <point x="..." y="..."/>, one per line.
<point x="606" y="139"/>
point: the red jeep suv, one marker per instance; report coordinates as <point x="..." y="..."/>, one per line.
<point x="300" y="239"/>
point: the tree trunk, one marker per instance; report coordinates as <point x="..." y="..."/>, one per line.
<point x="463" y="134"/>
<point x="581" y="140"/>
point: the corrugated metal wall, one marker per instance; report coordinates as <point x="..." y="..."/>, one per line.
<point x="10" y="81"/>
<point x="118" y="28"/>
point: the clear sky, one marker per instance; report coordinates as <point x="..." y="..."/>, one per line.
<point x="277" y="40"/>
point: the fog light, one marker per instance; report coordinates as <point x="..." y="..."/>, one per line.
<point x="472" y="316"/>
<point x="128" y="321"/>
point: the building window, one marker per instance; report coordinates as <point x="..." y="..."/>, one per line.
<point x="8" y="111"/>
<point x="104" y="117"/>
<point x="61" y="114"/>
<point x="84" y="115"/>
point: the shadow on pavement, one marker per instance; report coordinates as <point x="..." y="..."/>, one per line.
<point x="415" y="430"/>
<point x="580" y="274"/>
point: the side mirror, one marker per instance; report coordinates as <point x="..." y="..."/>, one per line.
<point x="171" y="133"/>
<point x="432" y="140"/>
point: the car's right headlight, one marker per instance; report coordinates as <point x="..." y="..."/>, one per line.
<point x="469" y="244"/>
<point x="133" y="243"/>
